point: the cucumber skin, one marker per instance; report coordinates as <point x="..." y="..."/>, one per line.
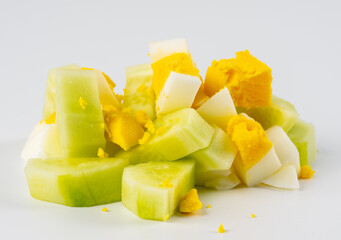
<point x="81" y="131"/>
<point x="76" y="182"/>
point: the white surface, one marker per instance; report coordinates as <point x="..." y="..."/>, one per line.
<point x="299" y="40"/>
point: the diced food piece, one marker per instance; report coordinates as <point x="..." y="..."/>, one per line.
<point x="218" y="155"/>
<point x="161" y="49"/>
<point x="256" y="158"/>
<point x="285" y="149"/>
<point x="200" y="98"/>
<point x="139" y="94"/>
<point x="218" y="109"/>
<point x="184" y="132"/>
<point x="217" y="179"/>
<point x="190" y="203"/>
<point x="167" y="56"/>
<point x="50" y="92"/>
<point x="125" y="130"/>
<point x="285" y="177"/>
<point x="42" y="143"/>
<point x="178" y="92"/>
<point x="280" y="113"/>
<point x="76" y="182"/>
<point x="302" y="134"/>
<point x="247" y="78"/>
<point x="153" y="190"/>
<point x="306" y="172"/>
<point x="80" y="119"/>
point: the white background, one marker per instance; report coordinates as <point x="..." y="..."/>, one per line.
<point x="299" y="40"/>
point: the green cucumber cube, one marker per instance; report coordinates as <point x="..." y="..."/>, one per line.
<point x="139" y="93"/>
<point x="76" y="182"/>
<point x="80" y="120"/>
<point x="280" y="113"/>
<point x="153" y="190"/>
<point x="302" y="134"/>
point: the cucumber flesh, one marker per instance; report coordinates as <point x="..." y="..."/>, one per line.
<point x="79" y="119"/>
<point x="76" y="182"/>
<point x="144" y="191"/>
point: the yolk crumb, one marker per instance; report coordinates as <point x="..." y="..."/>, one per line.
<point x="150" y="126"/>
<point x="51" y="119"/>
<point x="82" y="102"/>
<point x="145" y="138"/>
<point x="101" y="153"/>
<point x="250" y="139"/>
<point x="190" y="202"/>
<point x="141" y="88"/>
<point x="209" y="206"/>
<point x="306" y="172"/>
<point x="142" y="117"/>
<point x="253" y="215"/>
<point x="221" y="228"/>
<point x="104" y="209"/>
<point x="166" y="184"/>
<point x="111" y="84"/>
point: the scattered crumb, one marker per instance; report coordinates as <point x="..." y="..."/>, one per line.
<point x="221" y="229"/>
<point x="209" y="206"/>
<point x="51" y="119"/>
<point x="166" y="184"/>
<point x="306" y="172"/>
<point x="101" y="153"/>
<point x="150" y="126"/>
<point x="145" y="138"/>
<point x="190" y="202"/>
<point x="82" y="102"/>
<point x="253" y="215"/>
<point x="104" y="209"/>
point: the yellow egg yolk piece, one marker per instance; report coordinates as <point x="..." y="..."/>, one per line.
<point x="253" y="215"/>
<point x="190" y="202"/>
<point x="250" y="139"/>
<point x="247" y="78"/>
<point x="209" y="206"/>
<point x="141" y="117"/>
<point x="145" y="138"/>
<point x="82" y="103"/>
<point x="178" y="62"/>
<point x="101" y="153"/>
<point x="306" y="172"/>
<point x="221" y="228"/>
<point x="104" y="209"/>
<point x="51" y="119"/>
<point x="124" y="130"/>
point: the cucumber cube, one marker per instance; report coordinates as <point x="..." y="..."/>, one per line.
<point x="80" y="119"/>
<point x="76" y="182"/>
<point x="153" y="190"/>
<point x="302" y="134"/>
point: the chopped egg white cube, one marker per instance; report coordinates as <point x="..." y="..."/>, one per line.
<point x="218" y="109"/>
<point x="42" y="143"/>
<point x="161" y="49"/>
<point x="178" y="92"/>
<point x="285" y="178"/>
<point x="284" y="147"/>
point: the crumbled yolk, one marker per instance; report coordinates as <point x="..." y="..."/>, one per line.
<point x="166" y="184"/>
<point x="124" y="130"/>
<point x="150" y="126"/>
<point x="253" y="215"/>
<point x="141" y="88"/>
<point x="209" y="206"/>
<point x="51" y="119"/>
<point x="306" y="172"/>
<point x="145" y="138"/>
<point x="221" y="228"/>
<point x="119" y="97"/>
<point x="104" y="209"/>
<point x="160" y="131"/>
<point x="101" y="153"/>
<point x="141" y="117"/>
<point x="82" y="103"/>
<point x="190" y="202"/>
<point x="247" y="78"/>
<point x="249" y="138"/>
<point x="178" y="62"/>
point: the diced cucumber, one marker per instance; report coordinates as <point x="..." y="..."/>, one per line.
<point x="153" y="190"/>
<point x="50" y="92"/>
<point x="280" y="112"/>
<point x="76" y="182"/>
<point x="80" y="119"/>
<point x="139" y="93"/>
<point x="302" y="134"/>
